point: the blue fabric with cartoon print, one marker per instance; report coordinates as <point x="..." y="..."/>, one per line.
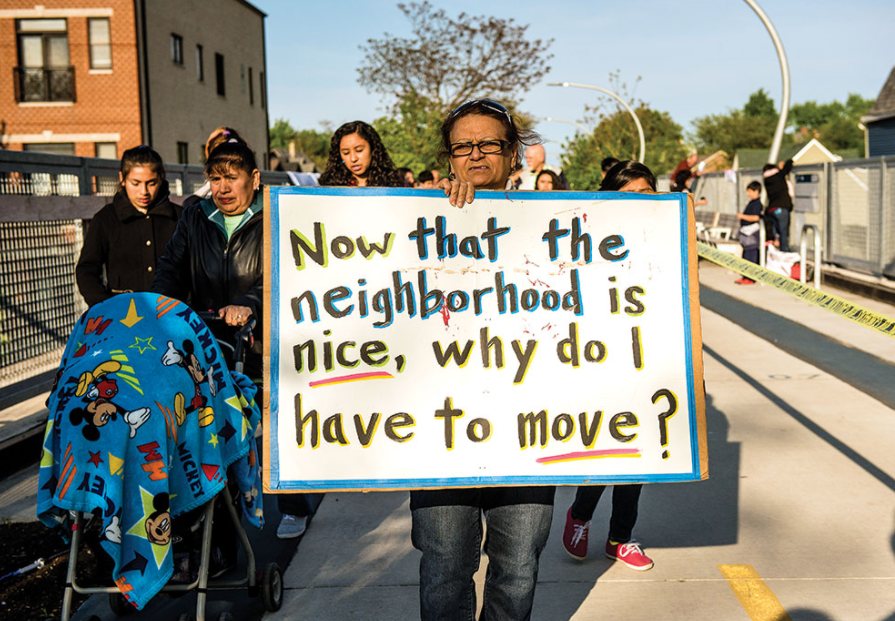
<point x="145" y="419"/>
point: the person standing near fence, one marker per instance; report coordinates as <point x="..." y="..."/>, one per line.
<point x="127" y="237"/>
<point x="779" y="200"/>
<point x="749" y="228"/>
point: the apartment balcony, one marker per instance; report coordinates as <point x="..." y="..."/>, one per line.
<point x="38" y="84"/>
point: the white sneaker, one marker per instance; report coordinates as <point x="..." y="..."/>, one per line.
<point x="292" y="526"/>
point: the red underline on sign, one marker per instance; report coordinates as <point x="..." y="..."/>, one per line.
<point x="589" y="455"/>
<point x="355" y="377"/>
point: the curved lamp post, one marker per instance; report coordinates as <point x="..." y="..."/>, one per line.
<point x="575" y="123"/>
<point x="784" y="70"/>
<point x="619" y="100"/>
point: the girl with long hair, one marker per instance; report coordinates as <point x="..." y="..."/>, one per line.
<point x="358" y="158"/>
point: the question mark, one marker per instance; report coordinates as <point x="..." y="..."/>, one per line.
<point x="664" y="416"/>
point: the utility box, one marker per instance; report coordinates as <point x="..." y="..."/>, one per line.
<point x="807" y="193"/>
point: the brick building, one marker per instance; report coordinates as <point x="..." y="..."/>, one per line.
<point x="96" y="77"/>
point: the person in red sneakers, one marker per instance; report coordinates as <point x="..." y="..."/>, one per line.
<point x="619" y="546"/>
<point x="628" y="176"/>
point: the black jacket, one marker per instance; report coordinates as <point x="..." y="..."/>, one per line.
<point x="127" y="245"/>
<point x="200" y="266"/>
<point x="778" y="191"/>
<point x="203" y="269"/>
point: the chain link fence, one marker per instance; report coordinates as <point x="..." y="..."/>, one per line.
<point x="39" y="297"/>
<point x="852" y="203"/>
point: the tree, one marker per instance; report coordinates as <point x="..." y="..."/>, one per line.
<point x="750" y="128"/>
<point x="616" y="136"/>
<point x="733" y="131"/>
<point x="835" y="124"/>
<point x="760" y="105"/>
<point x="412" y="138"/>
<point x="313" y="144"/>
<point x="281" y="134"/>
<point x="448" y="61"/>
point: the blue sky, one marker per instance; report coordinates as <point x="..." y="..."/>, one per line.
<point x="695" y="58"/>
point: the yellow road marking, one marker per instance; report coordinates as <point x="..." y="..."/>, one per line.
<point x="756" y="598"/>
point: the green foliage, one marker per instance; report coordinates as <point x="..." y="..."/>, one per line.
<point x="835" y="124"/>
<point x="733" y="131"/>
<point x="450" y="60"/>
<point x="760" y="105"/>
<point x="280" y="134"/>
<point x="616" y="136"/>
<point x="315" y="145"/>
<point x="312" y="143"/>
<point x="412" y="136"/>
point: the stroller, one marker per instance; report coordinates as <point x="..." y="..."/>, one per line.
<point x="164" y="463"/>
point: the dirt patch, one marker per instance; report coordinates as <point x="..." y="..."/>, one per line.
<point x="37" y="594"/>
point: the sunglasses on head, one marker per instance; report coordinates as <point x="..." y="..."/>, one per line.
<point x="485" y="103"/>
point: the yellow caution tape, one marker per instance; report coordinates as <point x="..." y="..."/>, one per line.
<point x="827" y="301"/>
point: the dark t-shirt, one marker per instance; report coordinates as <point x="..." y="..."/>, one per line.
<point x="753" y="208"/>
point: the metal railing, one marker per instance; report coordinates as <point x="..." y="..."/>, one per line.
<point x="803" y="255"/>
<point x="46" y="200"/>
<point x="851" y="202"/>
<point x="44" y="84"/>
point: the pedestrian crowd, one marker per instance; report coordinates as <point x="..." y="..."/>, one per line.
<point x="209" y="253"/>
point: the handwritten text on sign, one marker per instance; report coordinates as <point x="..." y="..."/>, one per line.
<point x="530" y="338"/>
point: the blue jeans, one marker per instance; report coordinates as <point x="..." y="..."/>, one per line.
<point x="781" y="225"/>
<point x="447" y="529"/>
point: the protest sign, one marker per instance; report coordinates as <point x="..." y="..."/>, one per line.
<point x="530" y="338"/>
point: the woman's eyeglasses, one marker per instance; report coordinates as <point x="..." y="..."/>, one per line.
<point x="460" y="149"/>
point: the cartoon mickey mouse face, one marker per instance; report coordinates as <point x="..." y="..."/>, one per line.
<point x="158" y="524"/>
<point x="97" y="415"/>
<point x="192" y="363"/>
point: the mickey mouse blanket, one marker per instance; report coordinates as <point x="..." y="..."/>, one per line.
<point x="145" y="419"/>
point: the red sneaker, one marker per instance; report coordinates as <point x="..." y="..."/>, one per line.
<point x="744" y="281"/>
<point x="630" y="554"/>
<point x="574" y="537"/>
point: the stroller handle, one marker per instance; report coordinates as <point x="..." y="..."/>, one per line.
<point x="243" y="337"/>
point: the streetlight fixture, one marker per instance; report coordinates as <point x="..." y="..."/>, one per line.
<point x="619" y="100"/>
<point x="575" y="123"/>
<point x="784" y="71"/>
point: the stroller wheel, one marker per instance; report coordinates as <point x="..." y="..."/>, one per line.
<point x="119" y="605"/>
<point x="272" y="588"/>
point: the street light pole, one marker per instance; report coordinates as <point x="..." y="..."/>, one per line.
<point x="784" y="71"/>
<point x="619" y="100"/>
<point x="575" y="123"/>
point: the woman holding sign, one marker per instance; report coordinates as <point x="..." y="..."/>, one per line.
<point x="482" y="144"/>
<point x="627" y="176"/>
<point x="358" y="158"/>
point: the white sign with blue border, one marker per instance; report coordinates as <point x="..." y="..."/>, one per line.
<point x="530" y="338"/>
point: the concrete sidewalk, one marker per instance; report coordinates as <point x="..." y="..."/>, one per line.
<point x="802" y="488"/>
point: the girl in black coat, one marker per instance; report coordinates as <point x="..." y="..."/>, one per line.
<point x="127" y="237"/>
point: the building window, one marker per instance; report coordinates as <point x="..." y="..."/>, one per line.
<point x="56" y="148"/>
<point x="44" y="72"/>
<point x="261" y="89"/>
<point x="100" y="43"/>
<point x="177" y="49"/>
<point x="106" y="150"/>
<point x="200" y="63"/>
<point x="251" y="89"/>
<point x="219" y="73"/>
<point x="183" y="153"/>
